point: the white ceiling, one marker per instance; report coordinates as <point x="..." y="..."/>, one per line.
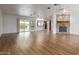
<point x="36" y="9"/>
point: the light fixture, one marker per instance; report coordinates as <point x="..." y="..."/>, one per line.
<point x="64" y="10"/>
<point x="40" y="19"/>
<point x="49" y="8"/>
<point x="56" y="4"/>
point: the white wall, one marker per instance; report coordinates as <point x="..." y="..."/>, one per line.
<point x="9" y="23"/>
<point x="74" y="23"/>
<point x="1" y="23"/>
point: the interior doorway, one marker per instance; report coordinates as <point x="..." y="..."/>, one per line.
<point x="47" y="25"/>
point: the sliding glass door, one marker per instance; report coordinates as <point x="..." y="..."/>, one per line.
<point x="26" y="25"/>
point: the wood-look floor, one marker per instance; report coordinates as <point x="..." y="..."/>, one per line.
<point x="39" y="43"/>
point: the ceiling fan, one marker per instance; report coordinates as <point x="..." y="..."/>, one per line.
<point x="54" y="5"/>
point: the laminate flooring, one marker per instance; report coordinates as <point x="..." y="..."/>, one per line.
<point x="39" y="43"/>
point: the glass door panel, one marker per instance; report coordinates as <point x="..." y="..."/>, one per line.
<point x="22" y="26"/>
<point x="32" y="25"/>
<point x="27" y="25"/>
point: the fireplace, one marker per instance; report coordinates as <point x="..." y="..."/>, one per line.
<point x="62" y="23"/>
<point x="62" y="28"/>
